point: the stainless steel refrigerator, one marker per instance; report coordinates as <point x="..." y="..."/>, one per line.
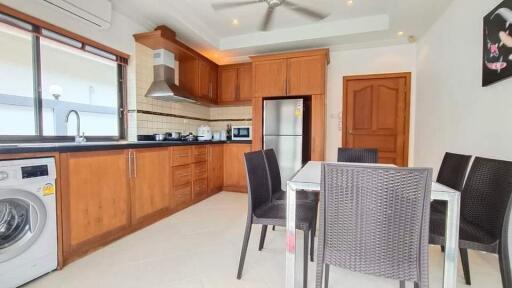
<point x="283" y="130"/>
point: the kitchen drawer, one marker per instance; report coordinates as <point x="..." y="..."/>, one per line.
<point x="182" y="194"/>
<point x="200" y="188"/>
<point x="182" y="175"/>
<point x="200" y="153"/>
<point x="200" y="170"/>
<point x="181" y="156"/>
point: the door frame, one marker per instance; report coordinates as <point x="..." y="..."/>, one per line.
<point x="407" y="76"/>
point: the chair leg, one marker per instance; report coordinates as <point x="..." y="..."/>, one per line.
<point x="506" y="273"/>
<point x="442" y="249"/>
<point x="274" y="228"/>
<point x="416" y="285"/>
<point x="313" y="234"/>
<point x="262" y="237"/>
<point x="312" y="248"/>
<point x="244" y="250"/>
<point x="402" y="284"/>
<point x="327" y="275"/>
<point x="305" y="256"/>
<point x="465" y="265"/>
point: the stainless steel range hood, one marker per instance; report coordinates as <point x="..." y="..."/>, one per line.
<point x="164" y="86"/>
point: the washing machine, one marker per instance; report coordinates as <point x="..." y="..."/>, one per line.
<point x="28" y="222"/>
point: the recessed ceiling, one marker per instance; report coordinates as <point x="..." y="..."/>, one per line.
<point x="216" y="32"/>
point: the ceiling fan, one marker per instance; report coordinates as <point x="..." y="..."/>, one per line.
<point x="272" y="5"/>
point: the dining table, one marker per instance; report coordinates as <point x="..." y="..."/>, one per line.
<point x="309" y="177"/>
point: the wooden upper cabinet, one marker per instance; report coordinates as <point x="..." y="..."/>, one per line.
<point x="228" y="88"/>
<point x="245" y="82"/>
<point x="269" y="78"/>
<point x="150" y="178"/>
<point x="189" y="71"/>
<point x="95" y="198"/>
<point x="306" y="75"/>
<point x="205" y="84"/>
<point x="214" y="75"/>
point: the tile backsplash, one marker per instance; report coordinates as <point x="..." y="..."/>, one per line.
<point x="150" y="116"/>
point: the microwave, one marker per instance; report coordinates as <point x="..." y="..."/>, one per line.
<point x="239" y="133"/>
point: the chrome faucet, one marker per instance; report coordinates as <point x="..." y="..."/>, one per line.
<point x="78" y="138"/>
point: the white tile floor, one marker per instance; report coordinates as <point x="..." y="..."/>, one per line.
<point x="200" y="246"/>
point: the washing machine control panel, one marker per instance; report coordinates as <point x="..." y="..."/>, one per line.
<point x="34" y="171"/>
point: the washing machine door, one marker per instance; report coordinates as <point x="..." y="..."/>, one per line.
<point x="22" y="220"/>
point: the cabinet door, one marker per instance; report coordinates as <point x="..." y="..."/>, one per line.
<point x="150" y="181"/>
<point x="234" y="167"/>
<point x="214" y="77"/>
<point x="215" y="168"/>
<point x="228" y="90"/>
<point x="306" y="75"/>
<point x="204" y="80"/>
<point x="245" y="82"/>
<point x="189" y="72"/>
<point x="270" y="77"/>
<point x="95" y="198"/>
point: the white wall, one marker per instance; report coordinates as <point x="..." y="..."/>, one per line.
<point x="453" y="112"/>
<point x="401" y="58"/>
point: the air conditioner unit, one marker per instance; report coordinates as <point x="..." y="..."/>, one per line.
<point x="94" y="12"/>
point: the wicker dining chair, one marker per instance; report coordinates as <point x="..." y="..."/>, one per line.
<point x="452" y="173"/>
<point x="485" y="215"/>
<point x="358" y="155"/>
<point x="374" y="220"/>
<point x="279" y="196"/>
<point x="261" y="209"/>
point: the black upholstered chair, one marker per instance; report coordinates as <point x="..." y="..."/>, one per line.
<point x="262" y="210"/>
<point x="358" y="155"/>
<point x="452" y="174"/>
<point x="279" y="196"/>
<point x="374" y="220"/>
<point x="485" y="215"/>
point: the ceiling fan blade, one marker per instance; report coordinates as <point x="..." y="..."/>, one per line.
<point x="304" y="10"/>
<point x="227" y="5"/>
<point x="268" y="18"/>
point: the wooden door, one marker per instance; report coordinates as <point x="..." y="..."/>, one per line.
<point x="228" y="90"/>
<point x="270" y="76"/>
<point x="376" y="115"/>
<point x="95" y="199"/>
<point x="235" y="179"/>
<point x="306" y="75"/>
<point x="150" y="171"/>
<point x="245" y="82"/>
<point x="215" y="168"/>
<point x="204" y="80"/>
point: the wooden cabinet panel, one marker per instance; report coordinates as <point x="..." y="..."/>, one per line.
<point x="228" y="89"/>
<point x="189" y="71"/>
<point x="200" y="153"/>
<point x="200" y="187"/>
<point x="200" y="170"/>
<point x="215" y="168"/>
<point x="182" y="175"/>
<point x="204" y="80"/>
<point x="318" y="127"/>
<point x="245" y="82"/>
<point x="95" y="198"/>
<point x="182" y="195"/>
<point x="234" y="167"/>
<point x="181" y="155"/>
<point x="269" y="78"/>
<point x="150" y="181"/>
<point x="306" y="75"/>
<point x="214" y="76"/>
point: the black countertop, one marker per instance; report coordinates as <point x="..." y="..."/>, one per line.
<point x="98" y="146"/>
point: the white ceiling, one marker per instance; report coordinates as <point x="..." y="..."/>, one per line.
<point x="365" y="23"/>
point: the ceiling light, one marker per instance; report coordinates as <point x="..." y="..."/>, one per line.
<point x="350" y="3"/>
<point x="235" y="22"/>
<point x="400" y="33"/>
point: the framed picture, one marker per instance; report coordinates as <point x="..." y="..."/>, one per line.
<point x="497" y="52"/>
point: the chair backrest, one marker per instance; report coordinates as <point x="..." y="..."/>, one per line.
<point x="486" y="194"/>
<point x="358" y="155"/>
<point x="374" y="220"/>
<point x="273" y="169"/>
<point x="257" y="180"/>
<point x="453" y="170"/>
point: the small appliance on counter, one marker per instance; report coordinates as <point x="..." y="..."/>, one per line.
<point x="223" y="135"/>
<point x="204" y="133"/>
<point x="216" y="136"/>
<point x="241" y="133"/>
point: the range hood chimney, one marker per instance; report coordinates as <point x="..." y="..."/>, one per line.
<point x="163" y="86"/>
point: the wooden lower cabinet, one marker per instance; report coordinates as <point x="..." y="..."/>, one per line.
<point x="150" y="183"/>
<point x="215" y="168"/>
<point x="235" y="179"/>
<point x="96" y="200"/>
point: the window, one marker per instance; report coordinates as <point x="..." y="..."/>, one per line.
<point x="50" y="81"/>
